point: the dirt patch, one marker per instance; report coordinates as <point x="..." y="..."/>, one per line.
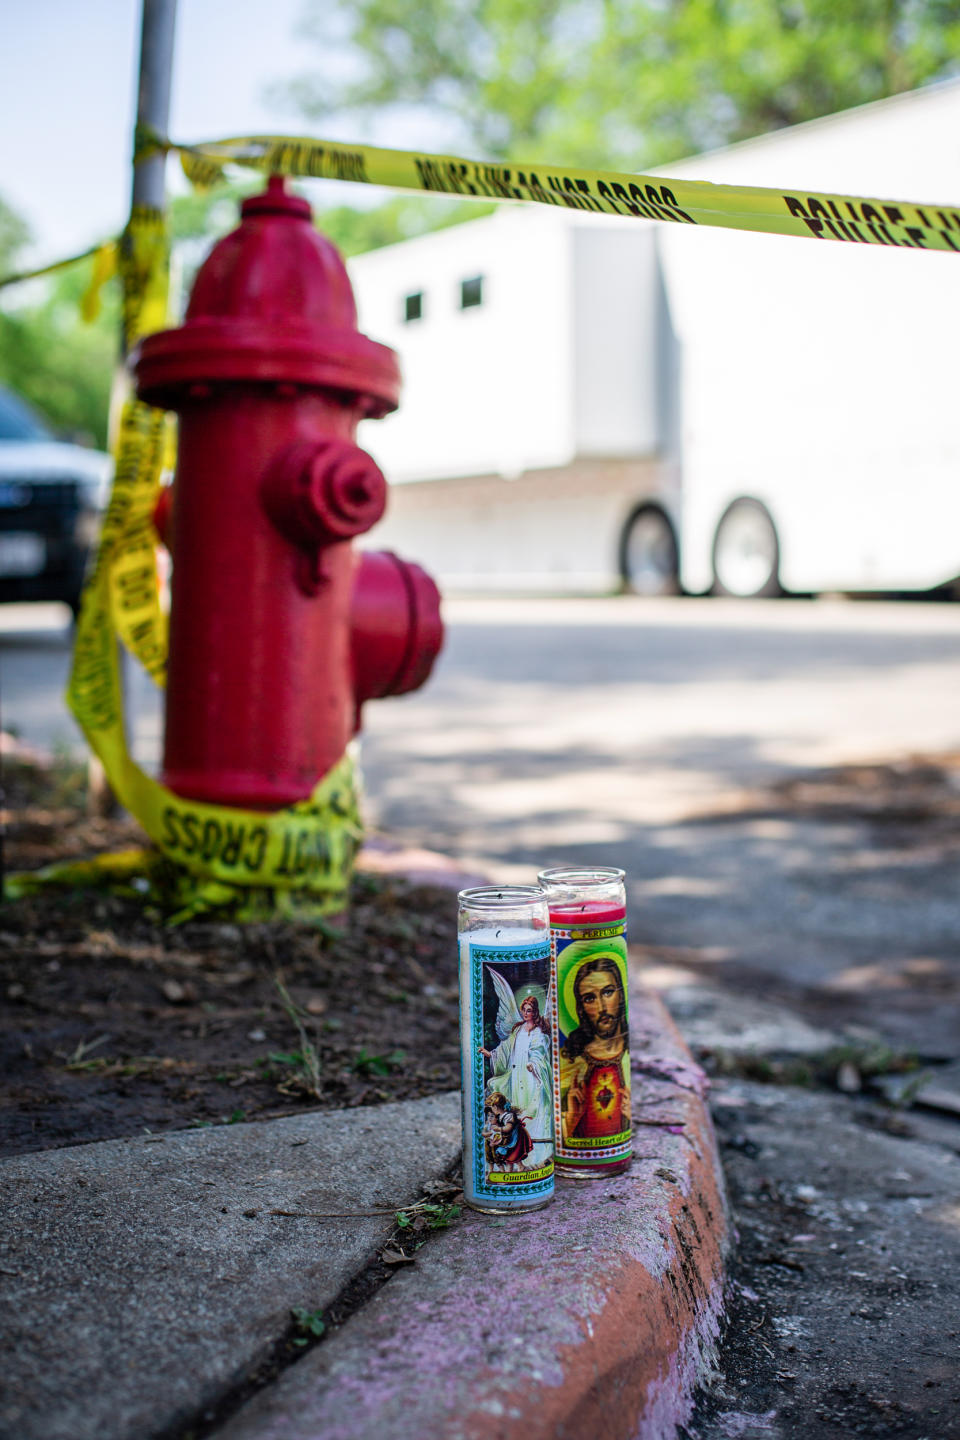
<point x="114" y="1023"/>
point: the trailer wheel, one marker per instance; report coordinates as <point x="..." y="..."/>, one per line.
<point x="746" y="552"/>
<point x="649" y="558"/>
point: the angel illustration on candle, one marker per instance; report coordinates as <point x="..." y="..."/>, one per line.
<point x="521" y="1077"/>
<point x="506" y="1136"/>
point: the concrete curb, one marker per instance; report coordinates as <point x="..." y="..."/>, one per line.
<point x="597" y="1316"/>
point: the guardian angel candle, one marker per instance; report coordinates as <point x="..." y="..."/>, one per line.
<point x="506" y="1059"/>
<point x="591" y="1036"/>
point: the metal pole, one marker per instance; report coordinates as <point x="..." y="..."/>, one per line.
<point x="157" y="25"/>
<point x="153" y="97"/>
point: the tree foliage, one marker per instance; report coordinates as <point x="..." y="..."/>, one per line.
<point x="61" y="365"/>
<point x="626" y="83"/>
<point x="14" y="234"/>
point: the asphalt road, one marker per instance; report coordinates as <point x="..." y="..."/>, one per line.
<point x="562" y="725"/>
<point x="36" y="644"/>
<point x="649" y="735"/>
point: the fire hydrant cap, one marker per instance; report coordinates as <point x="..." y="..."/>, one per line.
<point x="276" y="200"/>
<point x="272" y="302"/>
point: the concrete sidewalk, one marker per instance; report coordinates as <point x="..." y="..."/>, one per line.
<point x="148" y="1282"/>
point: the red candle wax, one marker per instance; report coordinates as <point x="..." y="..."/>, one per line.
<point x="586" y="912"/>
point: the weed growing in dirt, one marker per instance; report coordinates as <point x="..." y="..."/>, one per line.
<point x="911" y="1089"/>
<point x="367" y="1064"/>
<point x="83" y="1049"/>
<point x="845" y="1067"/>
<point x="309" y="1325"/>
<point x="294" y="1058"/>
<point x="305" y="1062"/>
<point x="432" y="1214"/>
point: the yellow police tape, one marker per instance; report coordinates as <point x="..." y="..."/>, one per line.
<point x="295" y="861"/>
<point x="104" y="265"/>
<point x="850" y="218"/>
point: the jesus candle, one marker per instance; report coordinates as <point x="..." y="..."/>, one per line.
<point x="506" y="1061"/>
<point x="591" y="1036"/>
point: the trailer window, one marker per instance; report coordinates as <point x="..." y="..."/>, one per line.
<point x="471" y="292"/>
<point x="413" y="306"/>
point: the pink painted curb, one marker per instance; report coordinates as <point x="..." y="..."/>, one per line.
<point x="594" y="1319"/>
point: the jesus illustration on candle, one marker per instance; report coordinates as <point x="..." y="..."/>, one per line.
<point x="521" y="1072"/>
<point x="594" y="1059"/>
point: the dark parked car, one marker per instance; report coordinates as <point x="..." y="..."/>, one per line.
<point x="52" y="495"/>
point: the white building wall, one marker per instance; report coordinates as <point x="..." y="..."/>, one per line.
<point x="614" y="350"/>
<point x="487" y="389"/>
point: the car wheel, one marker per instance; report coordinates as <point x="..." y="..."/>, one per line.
<point x="746" y="552"/>
<point x="649" y="559"/>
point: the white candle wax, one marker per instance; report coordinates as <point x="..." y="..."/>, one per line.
<point x="499" y="935"/>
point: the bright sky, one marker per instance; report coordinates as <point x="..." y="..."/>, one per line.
<point x="67" y="99"/>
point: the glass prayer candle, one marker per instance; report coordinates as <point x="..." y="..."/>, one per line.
<point x="506" y="1059"/>
<point x="591" y="1034"/>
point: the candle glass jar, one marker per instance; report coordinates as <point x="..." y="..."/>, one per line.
<point x="506" y="1059"/>
<point x="591" y="1034"/>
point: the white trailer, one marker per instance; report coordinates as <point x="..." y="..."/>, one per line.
<point x="820" y="434"/>
<point x="593" y="401"/>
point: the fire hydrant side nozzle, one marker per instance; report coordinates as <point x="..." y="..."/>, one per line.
<point x="396" y="630"/>
<point x="270" y="378"/>
<point x="324" y="489"/>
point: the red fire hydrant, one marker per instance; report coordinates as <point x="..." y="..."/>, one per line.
<point x="278" y="630"/>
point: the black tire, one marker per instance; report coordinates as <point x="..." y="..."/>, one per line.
<point x="746" y="553"/>
<point x="649" y="555"/>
